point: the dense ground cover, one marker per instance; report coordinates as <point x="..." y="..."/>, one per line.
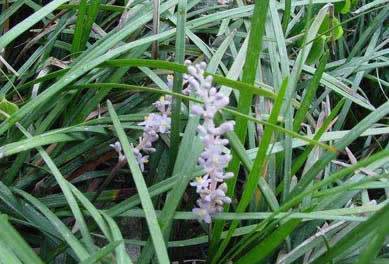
<point x="194" y="131"/>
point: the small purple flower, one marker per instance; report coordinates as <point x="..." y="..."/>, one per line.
<point x="203" y="214"/>
<point x="201" y="183"/>
<point x="164" y="105"/>
<point x="118" y="148"/>
<point x="142" y="160"/>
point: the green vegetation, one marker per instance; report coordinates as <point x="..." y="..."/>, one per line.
<point x="307" y="82"/>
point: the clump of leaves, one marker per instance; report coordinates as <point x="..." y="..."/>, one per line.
<point x="307" y="89"/>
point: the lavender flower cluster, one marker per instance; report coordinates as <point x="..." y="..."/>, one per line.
<point x="215" y="156"/>
<point x="154" y="124"/>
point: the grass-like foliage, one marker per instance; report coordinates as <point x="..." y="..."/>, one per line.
<point x="201" y="131"/>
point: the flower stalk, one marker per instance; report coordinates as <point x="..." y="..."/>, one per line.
<point x="215" y="156"/>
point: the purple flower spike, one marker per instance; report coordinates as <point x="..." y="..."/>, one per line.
<point x="215" y="157"/>
<point x="153" y="125"/>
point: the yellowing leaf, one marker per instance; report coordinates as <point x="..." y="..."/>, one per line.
<point x="7" y="107"/>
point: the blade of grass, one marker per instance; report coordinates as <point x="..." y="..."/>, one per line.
<point x="105" y="7"/>
<point x="89" y="59"/>
<point x="188" y="153"/>
<point x="217" y="57"/>
<point x="373" y="25"/>
<point x="286" y="15"/>
<point x="12" y="238"/>
<point x="7" y="256"/>
<point x="374" y="246"/>
<point x="340" y="88"/>
<point x="66" y="234"/>
<point x="357" y="80"/>
<point x="303" y="156"/>
<point x="92" y="12"/>
<point x="92" y="211"/>
<point x="30" y="21"/>
<point x="178" y="81"/>
<point x="334" y="214"/>
<point x="156" y="27"/>
<point x="332" y="178"/>
<point x="25" y="211"/>
<point x="312" y="30"/>
<point x="67" y="192"/>
<point x="249" y="73"/>
<point x="354" y="133"/>
<point x="121" y="254"/>
<point x="102" y="253"/>
<point x="379" y="219"/>
<point x="10" y="11"/>
<point x="310" y="93"/>
<point x="266" y="246"/>
<point x="151" y="218"/>
<point x="133" y="201"/>
<point x="257" y="170"/>
<point x="79" y="28"/>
